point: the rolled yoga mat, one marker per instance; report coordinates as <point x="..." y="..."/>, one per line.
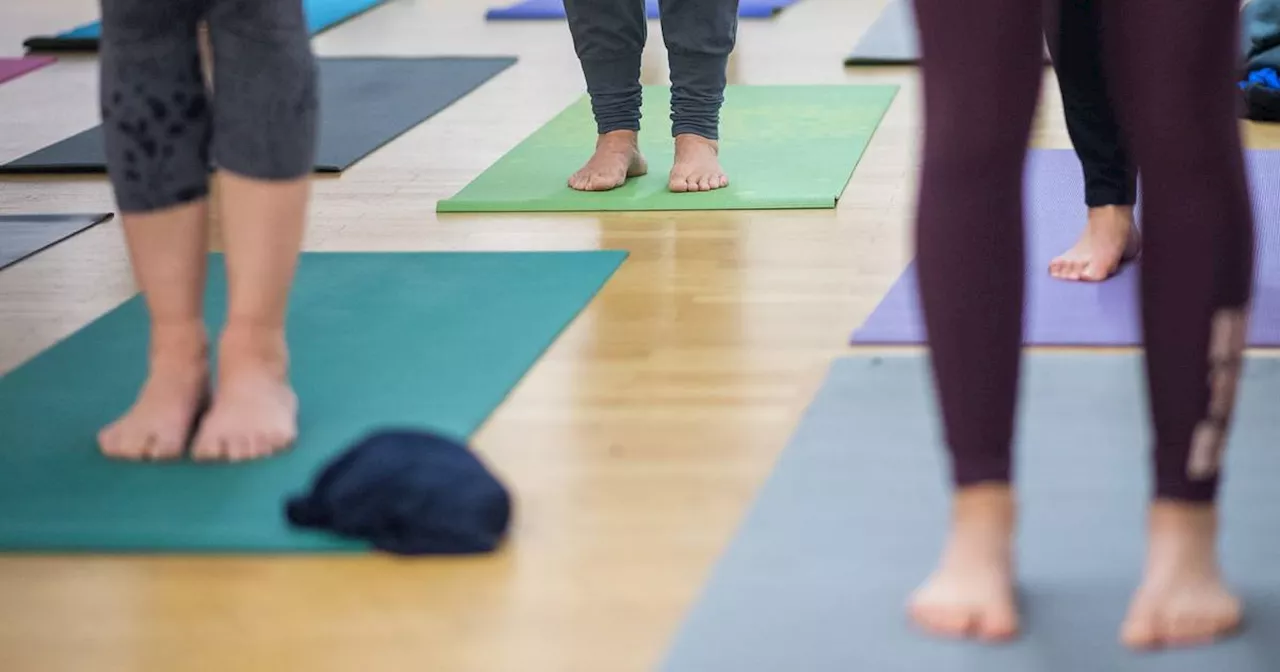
<point x="854" y="516"/>
<point x="321" y="16"/>
<point x="13" y="68"/>
<point x="1090" y="314"/>
<point x="432" y="341"/>
<point x="24" y="235"/>
<point x="554" y="9"/>
<point x="364" y="104"/>
<point x="782" y="147"/>
<point x="892" y="39"/>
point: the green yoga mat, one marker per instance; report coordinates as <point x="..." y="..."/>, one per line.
<point x="430" y="340"/>
<point x="782" y="147"/>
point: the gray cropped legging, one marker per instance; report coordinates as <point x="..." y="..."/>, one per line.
<point x="164" y="130"/>
<point x="609" y="37"/>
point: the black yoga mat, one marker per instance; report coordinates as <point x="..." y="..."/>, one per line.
<point x="24" y="235"/>
<point x="364" y="104"/>
<point x="856" y="509"/>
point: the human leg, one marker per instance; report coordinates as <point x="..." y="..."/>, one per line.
<point x="264" y="144"/>
<point x="982" y="68"/>
<point x="609" y="38"/>
<point x="156" y="125"/>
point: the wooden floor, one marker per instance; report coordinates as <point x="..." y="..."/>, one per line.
<point x="634" y="446"/>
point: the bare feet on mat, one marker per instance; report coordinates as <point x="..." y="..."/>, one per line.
<point x="617" y="157"/>
<point x="971" y="593"/>
<point x="159" y="424"/>
<point x="697" y="165"/>
<point x="1182" y="600"/>
<point x="1109" y="239"/>
<point x="254" y="412"/>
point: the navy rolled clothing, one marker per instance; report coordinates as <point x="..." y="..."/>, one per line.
<point x="609" y="38"/>
<point x="408" y="493"/>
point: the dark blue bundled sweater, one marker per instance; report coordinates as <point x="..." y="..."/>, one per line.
<point x="409" y="493"/>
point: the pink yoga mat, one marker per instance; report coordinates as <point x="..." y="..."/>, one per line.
<point x="12" y="68"/>
<point x="1106" y="314"/>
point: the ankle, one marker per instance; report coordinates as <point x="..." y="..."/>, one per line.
<point x="623" y="139"/>
<point x="687" y="139"/>
<point x="244" y="342"/>
<point x="1182" y="534"/>
<point x="179" y="341"/>
<point x="1111" y="217"/>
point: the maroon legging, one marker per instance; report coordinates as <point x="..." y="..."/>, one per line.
<point x="1173" y="66"/>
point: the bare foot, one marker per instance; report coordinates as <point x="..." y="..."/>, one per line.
<point x="1109" y="239"/>
<point x="159" y="424"/>
<point x="971" y="594"/>
<point x="1182" y="600"/>
<point x="617" y="157"/>
<point x="697" y="165"/>
<point x="254" y="412"/>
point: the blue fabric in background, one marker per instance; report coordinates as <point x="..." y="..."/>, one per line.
<point x="321" y="15"/>
<point x="1267" y="77"/>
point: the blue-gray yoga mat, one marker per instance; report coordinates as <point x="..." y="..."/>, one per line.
<point x="554" y="9"/>
<point x="364" y="104"/>
<point x="402" y="340"/>
<point x="321" y="16"/>
<point x="1090" y="314"/>
<point x="24" y="235"/>
<point x="854" y="514"/>
<point x="892" y="39"/>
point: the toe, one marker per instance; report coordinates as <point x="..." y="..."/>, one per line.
<point x="1055" y="267"/>
<point x="164" y="448"/>
<point x="1139" y="631"/>
<point x="999" y="624"/>
<point x="109" y="441"/>
<point x="724" y="181"/>
<point x="206" y="445"/>
<point x="957" y="622"/>
<point x="1093" y="273"/>
<point x="704" y="183"/>
<point x="239" y="447"/>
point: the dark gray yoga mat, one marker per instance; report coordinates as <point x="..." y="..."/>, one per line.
<point x="24" y="235"/>
<point x="892" y="39"/>
<point x="364" y="104"/>
<point x="854" y="514"/>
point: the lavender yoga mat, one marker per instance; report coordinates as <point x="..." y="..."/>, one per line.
<point x="1105" y="314"/>
<point x="13" y="68"/>
<point x="554" y="9"/>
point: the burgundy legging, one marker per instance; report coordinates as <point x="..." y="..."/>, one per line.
<point x="1173" y="65"/>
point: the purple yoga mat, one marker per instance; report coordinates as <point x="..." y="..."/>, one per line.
<point x="13" y="68"/>
<point x="1105" y="314"/>
<point x="554" y="9"/>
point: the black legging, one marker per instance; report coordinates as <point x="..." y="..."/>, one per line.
<point x="163" y="129"/>
<point x="1075" y="41"/>
<point x="1175" y="62"/>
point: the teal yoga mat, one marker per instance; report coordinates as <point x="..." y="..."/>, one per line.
<point x="421" y="340"/>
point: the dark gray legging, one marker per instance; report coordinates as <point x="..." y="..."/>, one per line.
<point x="164" y="130"/>
<point x="609" y="36"/>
